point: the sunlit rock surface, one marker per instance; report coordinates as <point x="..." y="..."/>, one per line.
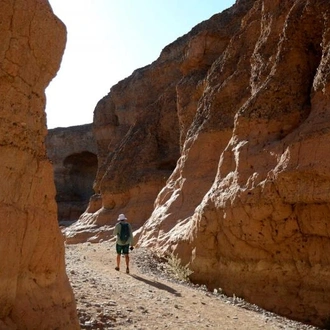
<point x="141" y="125"/>
<point x="260" y="227"/>
<point x="34" y="289"/>
<point x="234" y="116"/>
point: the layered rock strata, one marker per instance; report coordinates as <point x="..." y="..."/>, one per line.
<point x="72" y="151"/>
<point x="260" y="230"/>
<point x="141" y="125"/>
<point x="35" y="292"/>
<point x="234" y="117"/>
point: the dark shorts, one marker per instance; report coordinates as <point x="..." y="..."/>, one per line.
<point x="122" y="249"/>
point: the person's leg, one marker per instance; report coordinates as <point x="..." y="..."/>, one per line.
<point x="118" y="262"/>
<point x="127" y="262"/>
<point x="118" y="250"/>
<point x="126" y="253"/>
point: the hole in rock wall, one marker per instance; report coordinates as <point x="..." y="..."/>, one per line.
<point x="76" y="185"/>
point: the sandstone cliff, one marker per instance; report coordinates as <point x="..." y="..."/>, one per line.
<point x="141" y="125"/>
<point x="35" y="292"/>
<point x="72" y="151"/>
<point x="220" y="149"/>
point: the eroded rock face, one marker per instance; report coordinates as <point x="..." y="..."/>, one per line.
<point x="240" y="106"/>
<point x="141" y="125"/>
<point x="259" y="230"/>
<point x="35" y="292"/>
<point x="72" y="151"/>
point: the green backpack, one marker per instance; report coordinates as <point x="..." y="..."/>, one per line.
<point x="124" y="232"/>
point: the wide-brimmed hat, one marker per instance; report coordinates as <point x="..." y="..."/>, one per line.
<point x="122" y="217"/>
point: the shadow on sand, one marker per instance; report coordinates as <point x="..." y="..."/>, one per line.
<point x="157" y="285"/>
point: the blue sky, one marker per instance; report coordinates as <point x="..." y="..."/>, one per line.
<point x="107" y="41"/>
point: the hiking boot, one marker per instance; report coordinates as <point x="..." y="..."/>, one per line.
<point x="127" y="270"/>
<point x="117" y="268"/>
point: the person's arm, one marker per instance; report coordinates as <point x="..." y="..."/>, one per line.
<point x="116" y="230"/>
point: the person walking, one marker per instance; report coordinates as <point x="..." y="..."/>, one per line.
<point x="124" y="240"/>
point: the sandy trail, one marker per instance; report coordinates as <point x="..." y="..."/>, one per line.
<point x="147" y="299"/>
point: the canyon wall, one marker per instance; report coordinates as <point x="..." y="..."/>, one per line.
<point x="72" y="151"/>
<point x="218" y="152"/>
<point x="260" y="230"/>
<point x="35" y="291"/>
<point x="141" y="125"/>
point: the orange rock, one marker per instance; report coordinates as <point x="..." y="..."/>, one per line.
<point x="219" y="149"/>
<point x="72" y="151"/>
<point x="35" y="292"/>
<point x="260" y="227"/>
<point x="141" y="125"/>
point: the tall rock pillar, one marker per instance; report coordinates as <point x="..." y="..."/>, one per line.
<point x="34" y="289"/>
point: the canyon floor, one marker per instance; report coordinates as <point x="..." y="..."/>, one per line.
<point x="149" y="298"/>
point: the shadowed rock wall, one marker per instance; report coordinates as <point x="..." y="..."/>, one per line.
<point x="35" y="291"/>
<point x="240" y="107"/>
<point x="72" y="151"/>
